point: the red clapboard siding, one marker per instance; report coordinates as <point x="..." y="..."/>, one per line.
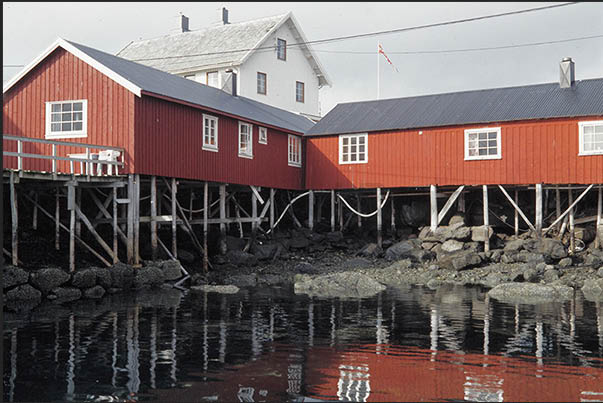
<point x="544" y="151"/>
<point x="169" y="141"/>
<point x="61" y="77"/>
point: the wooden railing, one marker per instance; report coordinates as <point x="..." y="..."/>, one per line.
<point x="106" y="156"/>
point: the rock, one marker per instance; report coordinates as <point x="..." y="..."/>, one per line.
<point x="494" y="279"/>
<point x="85" y="278"/>
<point x="516" y="245"/>
<point x="23" y="292"/>
<point x="220" y="289"/>
<point x="305" y="268"/>
<point x="122" y="276"/>
<point x="600" y="272"/>
<point x="95" y="292"/>
<point x="429" y="245"/>
<point x="452" y="245"/>
<point x="243" y="280"/>
<point x="266" y="251"/>
<point x="186" y="256"/>
<point x="593" y="289"/>
<point x="565" y="262"/>
<point x="552" y="248"/>
<point x="47" y="279"/>
<point x="13" y="276"/>
<point x="434" y="283"/>
<point x="299" y="242"/>
<point x="66" y="294"/>
<point x="551" y="275"/>
<point x="409" y="249"/>
<point x="334" y="237"/>
<point x="149" y="276"/>
<point x="461" y="233"/>
<point x="460" y="260"/>
<point x="529" y="257"/>
<point x="342" y="285"/>
<point x="457" y="218"/>
<point x="240" y="258"/>
<point x="530" y="275"/>
<point x="496" y="255"/>
<point x="585" y="234"/>
<point x="594" y="258"/>
<point x="232" y="243"/>
<point x="528" y="293"/>
<point x="103" y="276"/>
<point x="478" y="234"/>
<point x="171" y="269"/>
<point x="370" y="250"/>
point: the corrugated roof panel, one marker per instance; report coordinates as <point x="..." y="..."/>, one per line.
<point x="541" y="101"/>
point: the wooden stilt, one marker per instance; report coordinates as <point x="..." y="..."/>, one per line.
<point x="449" y="203"/>
<point x="14" y="220"/>
<point x="460" y="207"/>
<point x="486" y="220"/>
<point x="105" y="212"/>
<point x="340" y="213"/>
<point x="572" y="233"/>
<point x="254" y="216"/>
<point x="153" y="217"/>
<point x="137" y="219"/>
<point x="557" y="204"/>
<point x="205" y="216"/>
<point x="272" y="207"/>
<point x="95" y="234"/>
<point x="34" y="220"/>
<point x="311" y="210"/>
<point x="238" y="215"/>
<point x="516" y="207"/>
<point x="358" y="208"/>
<point x="78" y="201"/>
<point x="130" y="218"/>
<point x="600" y="218"/>
<point x="516" y="213"/>
<point x="174" y="219"/>
<point x="332" y="211"/>
<point x="379" y="219"/>
<point x="222" y="209"/>
<point x="71" y="208"/>
<point x="115" y="227"/>
<point x="393" y="216"/>
<point x="538" y="218"/>
<point x="433" y="203"/>
<point x="57" y="219"/>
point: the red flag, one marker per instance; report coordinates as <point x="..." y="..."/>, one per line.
<point x="387" y="58"/>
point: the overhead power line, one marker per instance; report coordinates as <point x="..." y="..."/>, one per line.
<point x="365" y="35"/>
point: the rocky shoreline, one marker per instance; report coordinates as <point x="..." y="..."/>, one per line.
<point x="331" y="265"/>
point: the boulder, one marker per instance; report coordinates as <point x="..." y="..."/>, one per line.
<point x="299" y="242"/>
<point x="452" y="245"/>
<point x="103" y="276"/>
<point x="529" y="293"/>
<point x="47" y="279"/>
<point x="265" y="251"/>
<point x="409" y="249"/>
<point x="478" y="234"/>
<point x="565" y="262"/>
<point x="122" y="276"/>
<point x="243" y="280"/>
<point x="13" y="276"/>
<point x="516" y="245"/>
<point x="551" y="248"/>
<point x="240" y="258"/>
<point x="342" y="285"/>
<point x="95" y="292"/>
<point x="220" y="289"/>
<point x="229" y="243"/>
<point x="171" y="269"/>
<point x="594" y="258"/>
<point x="370" y="250"/>
<point x="529" y="257"/>
<point x="593" y="289"/>
<point x="460" y="260"/>
<point x="85" y="278"/>
<point x="23" y="292"/>
<point x="334" y="237"/>
<point x="66" y="294"/>
<point x="305" y="268"/>
<point x="149" y="276"/>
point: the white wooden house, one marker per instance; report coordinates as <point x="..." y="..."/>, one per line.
<point x="262" y="54"/>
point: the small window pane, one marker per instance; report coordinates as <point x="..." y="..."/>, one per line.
<point x="472" y="136"/>
<point x="77" y="106"/>
<point x="56" y="107"/>
<point x="492" y="151"/>
<point x="77" y="126"/>
<point x="588" y="129"/>
<point x="483" y="136"/>
<point x="55" y="117"/>
<point x="492" y="135"/>
<point x="344" y="158"/>
<point x="492" y="143"/>
<point x="599" y="129"/>
<point x="55" y="127"/>
<point x="483" y="152"/>
<point x="588" y="147"/>
<point x="78" y="116"/>
<point x="66" y="117"/>
<point x="66" y="107"/>
<point x="66" y="127"/>
<point x="345" y="141"/>
<point x="483" y="143"/>
<point x="361" y="156"/>
<point x="352" y="157"/>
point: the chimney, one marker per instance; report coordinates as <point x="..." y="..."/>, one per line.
<point x="233" y="81"/>
<point x="566" y="73"/>
<point x="183" y="23"/>
<point x="225" y="16"/>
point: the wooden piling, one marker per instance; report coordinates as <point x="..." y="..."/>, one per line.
<point x="71" y="208"/>
<point x="205" y="216"/>
<point x="153" y="217"/>
<point x="272" y="207"/>
<point x="222" y="209"/>
<point x="393" y="216"/>
<point x="599" y="237"/>
<point x="34" y="220"/>
<point x="379" y="219"/>
<point x="572" y="233"/>
<point x="332" y="211"/>
<point x="14" y="220"/>
<point x="174" y="219"/>
<point x="115" y="246"/>
<point x="311" y="210"/>
<point x="516" y="213"/>
<point x="558" y="204"/>
<point x="358" y="208"/>
<point x="433" y="203"/>
<point x="538" y="218"/>
<point x="130" y="219"/>
<point x="486" y="220"/>
<point x="57" y="219"/>
<point x="137" y="219"/>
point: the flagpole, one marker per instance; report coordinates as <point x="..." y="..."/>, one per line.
<point x="378" y="90"/>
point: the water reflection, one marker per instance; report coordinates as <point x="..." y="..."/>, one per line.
<point x="272" y="345"/>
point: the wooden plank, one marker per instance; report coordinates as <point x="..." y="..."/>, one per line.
<point x="71" y="202"/>
<point x="570" y="208"/>
<point x="449" y="203"/>
<point x="95" y="234"/>
<point x="572" y="232"/>
<point x="130" y="217"/>
<point x="222" y="209"/>
<point x="311" y="210"/>
<point x="393" y="217"/>
<point x="516" y="214"/>
<point x="523" y="216"/>
<point x="600" y="218"/>
<point x="105" y="212"/>
<point x="538" y="218"/>
<point x="257" y="194"/>
<point x="433" y="203"/>
<point x="205" y="212"/>
<point x="115" y="228"/>
<point x="272" y="192"/>
<point x="332" y="211"/>
<point x="57" y="219"/>
<point x="358" y="208"/>
<point x="136" y="206"/>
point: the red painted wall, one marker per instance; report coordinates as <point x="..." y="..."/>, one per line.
<point x="63" y="77"/>
<point x="532" y="152"/>
<point x="169" y="142"/>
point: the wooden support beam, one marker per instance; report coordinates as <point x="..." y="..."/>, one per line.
<point x="433" y="203"/>
<point x="379" y="219"/>
<point x="516" y="215"/>
<point x="272" y="211"/>
<point x="105" y="212"/>
<point x="523" y="216"/>
<point x="174" y="216"/>
<point x="557" y="203"/>
<point x="57" y="217"/>
<point x="311" y="210"/>
<point x="71" y="207"/>
<point x="599" y="237"/>
<point x="222" y="209"/>
<point x="461" y="208"/>
<point x="572" y="204"/>
<point x="7" y="253"/>
<point x="572" y="232"/>
<point x="538" y="218"/>
<point x="393" y="217"/>
<point x="257" y="194"/>
<point x="130" y="227"/>
<point x="205" y="214"/>
<point x="95" y="234"/>
<point x="449" y="203"/>
<point x="486" y="219"/>
<point x="136" y="206"/>
<point x="153" y="215"/>
<point x="78" y="201"/>
<point x="359" y="208"/>
<point x="115" y="228"/>
<point x="332" y="211"/>
<point x="254" y="213"/>
<point x="34" y="223"/>
<point x="292" y="213"/>
<point x="14" y="220"/>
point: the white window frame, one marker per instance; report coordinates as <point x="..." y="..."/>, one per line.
<point x="72" y="134"/>
<point x="302" y="93"/>
<point x="581" y="138"/>
<point x="263" y="135"/>
<point x="284" y="48"/>
<point x="341" y="148"/>
<point x="265" y="77"/>
<point x="217" y="73"/>
<point x="208" y="146"/>
<point x="496" y="156"/>
<point x="294" y="151"/>
<point x="244" y="153"/>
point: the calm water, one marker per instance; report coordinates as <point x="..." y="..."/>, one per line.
<point x="269" y="344"/>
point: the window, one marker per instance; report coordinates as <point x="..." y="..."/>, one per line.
<point x="353" y="148"/>
<point x="294" y="151"/>
<point x="281" y="49"/>
<point x="210" y="133"/>
<point x="261" y="83"/>
<point x="66" y="119"/>
<point x="482" y="144"/>
<point x="591" y="137"/>
<point x="299" y="91"/>
<point x="245" y="140"/>
<point x="263" y="137"/>
<point x="212" y="79"/>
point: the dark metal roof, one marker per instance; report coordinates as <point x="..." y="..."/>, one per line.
<point x="542" y="101"/>
<point x="158" y="82"/>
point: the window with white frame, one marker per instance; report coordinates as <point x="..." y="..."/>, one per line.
<point x="591" y="137"/>
<point x="483" y="144"/>
<point x="66" y="119"/>
<point x="211" y="78"/>
<point x="245" y="140"/>
<point x="263" y="135"/>
<point x="281" y="49"/>
<point x="353" y="148"/>
<point x="299" y="91"/>
<point x="261" y="83"/>
<point x="210" y="133"/>
<point x="294" y="159"/>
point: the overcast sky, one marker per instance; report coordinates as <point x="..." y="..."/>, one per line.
<point x="29" y="28"/>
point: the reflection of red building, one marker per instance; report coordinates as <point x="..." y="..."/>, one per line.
<point x="415" y="374"/>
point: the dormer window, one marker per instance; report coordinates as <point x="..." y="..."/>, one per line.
<point x="281" y="49"/>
